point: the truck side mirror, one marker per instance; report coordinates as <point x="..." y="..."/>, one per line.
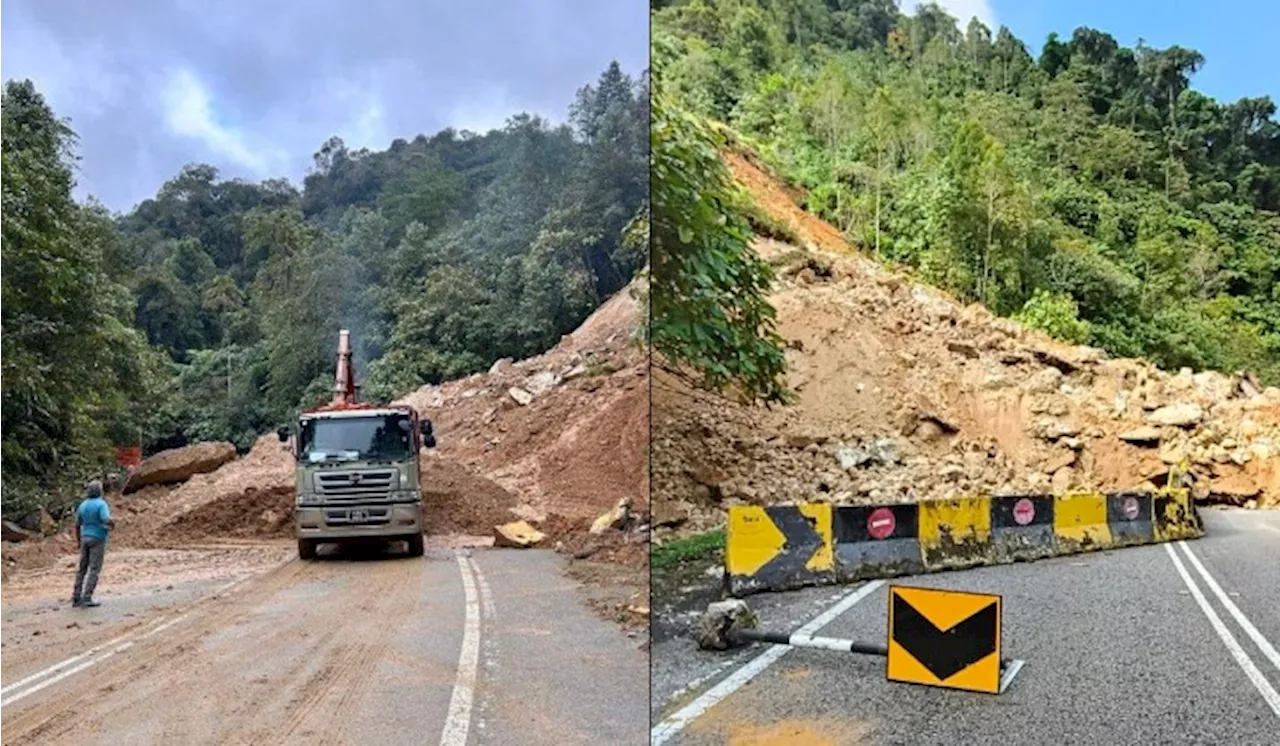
<point x="429" y="441"/>
<point x="425" y="426"/>
<point x="283" y="434"/>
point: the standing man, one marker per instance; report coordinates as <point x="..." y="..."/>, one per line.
<point x="93" y="523"/>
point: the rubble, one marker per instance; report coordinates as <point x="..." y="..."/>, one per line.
<point x="883" y="360"/>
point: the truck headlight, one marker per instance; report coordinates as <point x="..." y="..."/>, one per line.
<point x="308" y="498"/>
<point x="405" y="495"/>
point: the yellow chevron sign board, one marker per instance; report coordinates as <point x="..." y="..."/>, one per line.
<point x="948" y="639"/>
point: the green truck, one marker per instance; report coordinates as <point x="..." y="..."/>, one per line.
<point x="356" y="468"/>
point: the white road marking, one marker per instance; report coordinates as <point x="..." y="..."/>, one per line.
<point x="1258" y="639"/>
<point x="458" y="721"/>
<point x="1270" y="528"/>
<point x="1255" y="676"/>
<point x="96" y="655"/>
<point x="486" y="596"/>
<point x="676" y="722"/>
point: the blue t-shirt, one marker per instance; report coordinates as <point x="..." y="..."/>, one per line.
<point x="92" y="517"/>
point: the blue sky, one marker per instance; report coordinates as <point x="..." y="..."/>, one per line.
<point x="254" y="88"/>
<point x="1236" y="37"/>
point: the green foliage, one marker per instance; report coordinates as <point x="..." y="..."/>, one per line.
<point x="710" y="311"/>
<point x="1056" y="314"/>
<point x="1095" y="172"/>
<point x="687" y="550"/>
<point x="211" y="311"/>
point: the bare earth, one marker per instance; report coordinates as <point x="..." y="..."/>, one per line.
<point x="244" y="644"/>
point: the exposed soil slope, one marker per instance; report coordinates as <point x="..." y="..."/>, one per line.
<point x="903" y="394"/>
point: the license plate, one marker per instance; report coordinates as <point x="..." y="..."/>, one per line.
<point x="359" y="515"/>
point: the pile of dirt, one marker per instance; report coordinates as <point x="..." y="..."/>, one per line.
<point x="179" y="464"/>
<point x="254" y="513"/>
<point x="555" y="440"/>
<point x="904" y="394"/>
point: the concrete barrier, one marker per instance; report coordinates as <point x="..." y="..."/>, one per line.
<point x="783" y="547"/>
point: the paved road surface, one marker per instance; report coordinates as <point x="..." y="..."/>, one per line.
<point x="475" y="646"/>
<point x="1119" y="650"/>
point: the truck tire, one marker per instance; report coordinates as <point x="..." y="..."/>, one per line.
<point x="307" y="549"/>
<point x="417" y="547"/>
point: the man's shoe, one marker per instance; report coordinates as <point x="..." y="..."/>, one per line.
<point x="89" y="602"/>
<point x="76" y="602"/>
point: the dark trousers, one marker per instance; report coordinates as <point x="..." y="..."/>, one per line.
<point x="92" y="552"/>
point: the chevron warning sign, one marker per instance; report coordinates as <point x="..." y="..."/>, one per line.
<point x="944" y="638"/>
<point x="778" y="547"/>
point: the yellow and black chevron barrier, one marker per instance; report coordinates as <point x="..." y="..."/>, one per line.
<point x="789" y="546"/>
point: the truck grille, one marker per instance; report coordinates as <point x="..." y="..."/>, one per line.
<point x="351" y="486"/>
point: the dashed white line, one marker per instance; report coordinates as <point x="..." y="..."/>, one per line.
<point x="1259" y="681"/>
<point x="458" y="721"/>
<point x="676" y="722"/>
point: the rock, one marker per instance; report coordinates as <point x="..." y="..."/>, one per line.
<point x="1177" y="415"/>
<point x="711" y="630"/>
<point x="1055" y="429"/>
<point x="1044" y="381"/>
<point x="522" y="397"/>
<point x="48" y="526"/>
<point x="613" y="519"/>
<point x="517" y="535"/>
<point x="576" y="371"/>
<point x="672" y="512"/>
<point x="179" y="465"/>
<point x="1062" y="480"/>
<point x="13" y="532"/>
<point x="963" y="349"/>
<point x="1061" y="458"/>
<point x="540" y="383"/>
<point x="500" y="366"/>
<point x="1074" y="444"/>
<point x="1144" y="435"/>
<point x="1235" y="489"/>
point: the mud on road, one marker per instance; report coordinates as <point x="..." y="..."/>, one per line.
<point x="467" y="645"/>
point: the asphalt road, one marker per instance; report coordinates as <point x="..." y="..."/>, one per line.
<point x="1118" y="650"/>
<point x="471" y="646"/>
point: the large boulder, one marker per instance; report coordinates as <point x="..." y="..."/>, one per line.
<point x="517" y="535"/>
<point x="179" y="464"/>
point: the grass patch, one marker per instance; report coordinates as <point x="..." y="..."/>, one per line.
<point x="684" y="550"/>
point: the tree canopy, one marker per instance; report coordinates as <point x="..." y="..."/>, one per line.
<point x="1091" y="192"/>
<point x="211" y="310"/>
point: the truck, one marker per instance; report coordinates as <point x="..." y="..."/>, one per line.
<point x="356" y="468"/>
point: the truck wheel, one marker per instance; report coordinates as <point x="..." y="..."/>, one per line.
<point x="307" y="549"/>
<point x="417" y="546"/>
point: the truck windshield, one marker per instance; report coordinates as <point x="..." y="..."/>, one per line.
<point x="356" y="438"/>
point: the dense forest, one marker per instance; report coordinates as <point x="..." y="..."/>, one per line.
<point x="1091" y="192"/>
<point x="211" y="311"/>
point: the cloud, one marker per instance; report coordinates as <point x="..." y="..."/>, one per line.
<point x="962" y="10"/>
<point x="256" y="88"/>
<point x="190" y="113"/>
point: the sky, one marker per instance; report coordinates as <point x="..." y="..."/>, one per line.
<point x="257" y="86"/>
<point x="1236" y="37"/>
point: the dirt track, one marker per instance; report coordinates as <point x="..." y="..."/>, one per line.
<point x="355" y="648"/>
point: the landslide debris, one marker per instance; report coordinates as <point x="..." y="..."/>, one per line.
<point x="905" y="394"/>
<point x="179" y="465"/>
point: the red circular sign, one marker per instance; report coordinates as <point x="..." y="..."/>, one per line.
<point x="880" y="523"/>
<point x="1024" y="511"/>
<point x="1131" y="507"/>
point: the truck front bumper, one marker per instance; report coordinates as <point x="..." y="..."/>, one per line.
<point x="333" y="523"/>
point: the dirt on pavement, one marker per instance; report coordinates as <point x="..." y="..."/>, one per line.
<point x="555" y="440"/>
